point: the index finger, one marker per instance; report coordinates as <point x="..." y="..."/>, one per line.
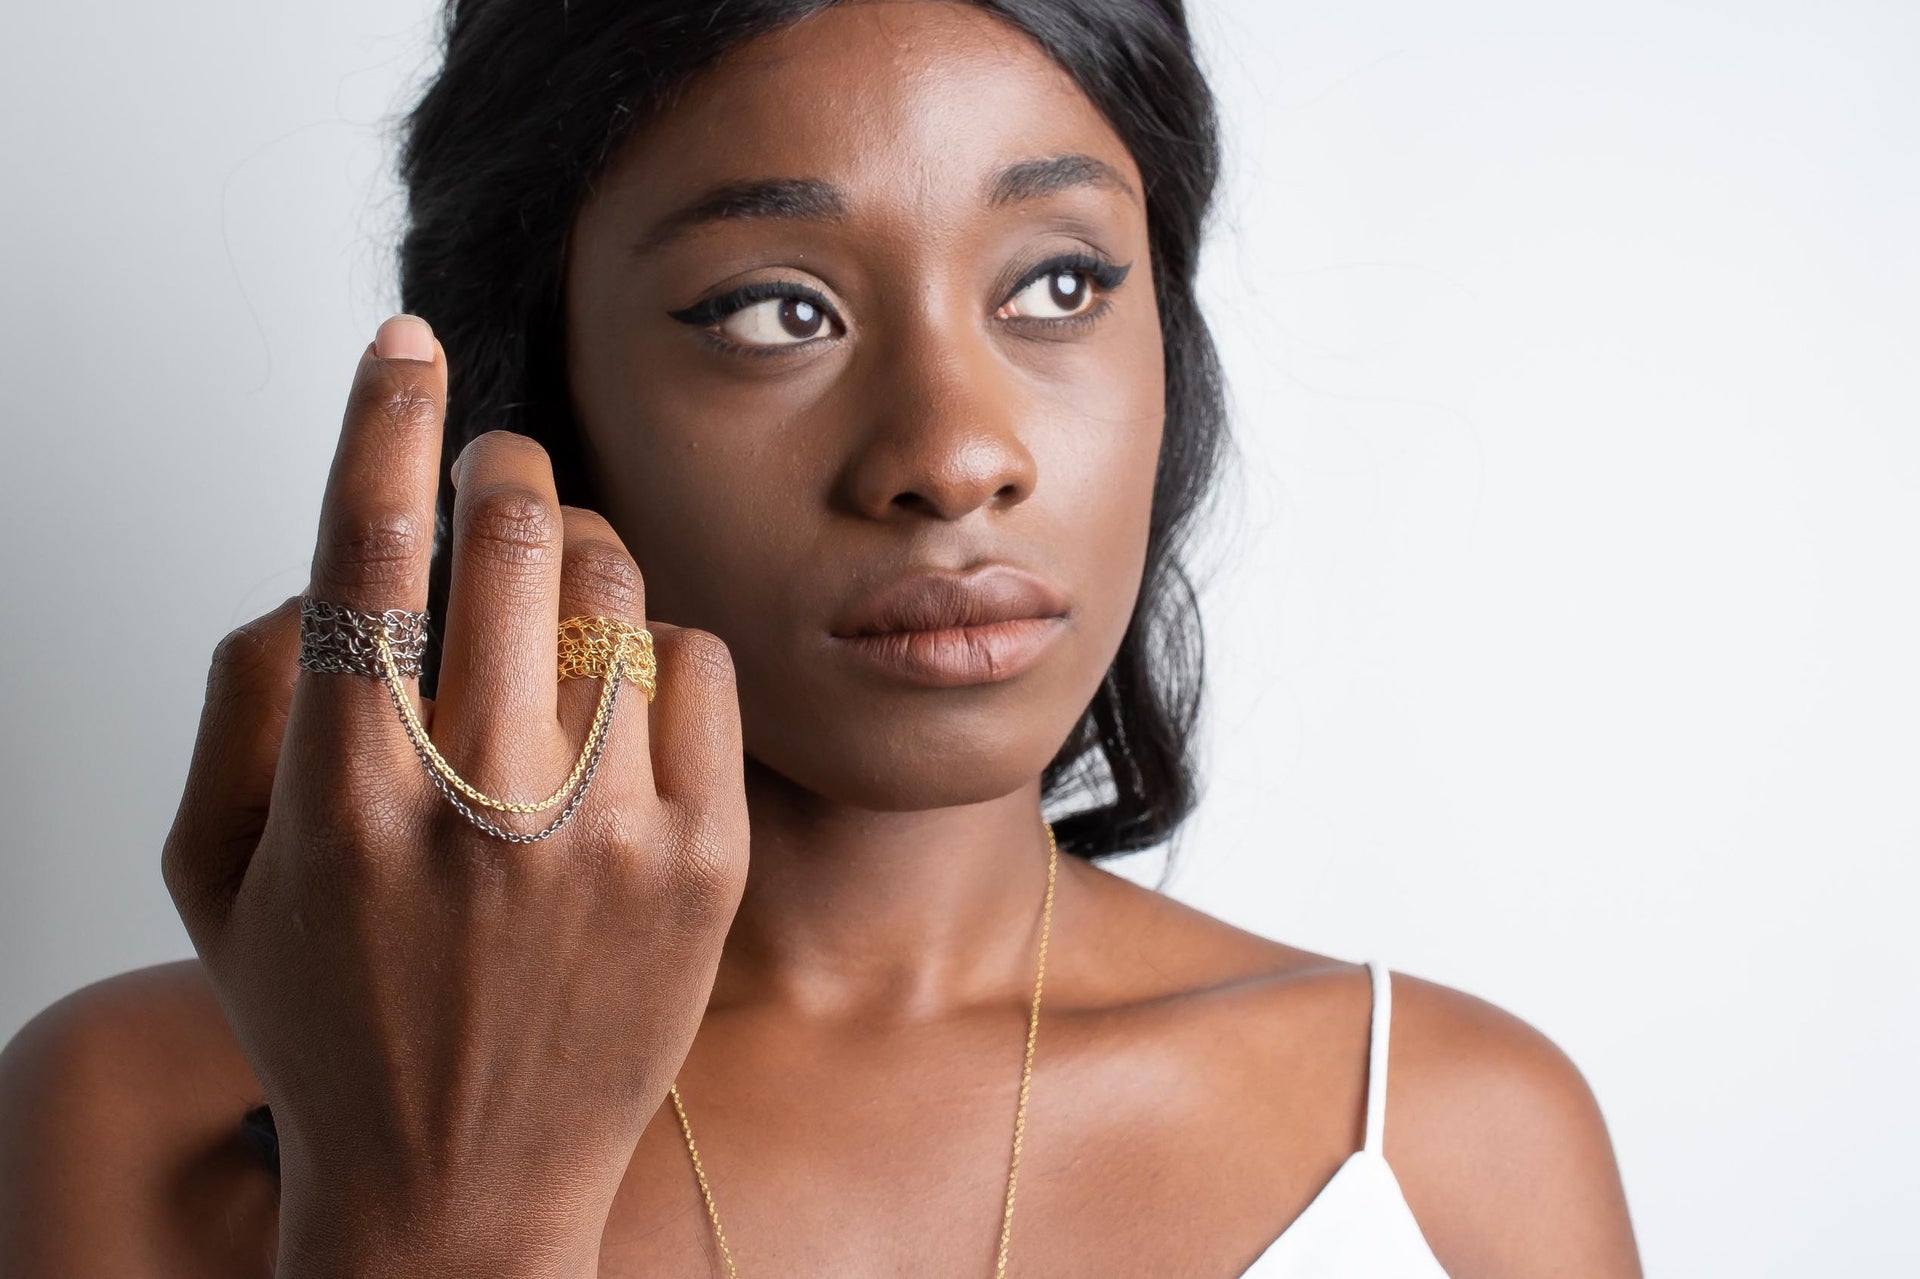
<point x="375" y="541"/>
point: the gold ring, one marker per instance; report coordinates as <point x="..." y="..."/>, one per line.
<point x="589" y="646"/>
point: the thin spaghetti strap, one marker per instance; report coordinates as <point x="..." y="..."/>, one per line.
<point x="1377" y="1056"/>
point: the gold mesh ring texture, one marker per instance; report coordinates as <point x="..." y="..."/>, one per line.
<point x="588" y="648"/>
<point x="589" y="645"/>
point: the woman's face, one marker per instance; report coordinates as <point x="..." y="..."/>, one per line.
<point x="907" y="385"/>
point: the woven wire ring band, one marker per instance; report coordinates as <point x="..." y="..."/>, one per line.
<point x="389" y="645"/>
<point x="337" y="640"/>
<point x="589" y="646"/>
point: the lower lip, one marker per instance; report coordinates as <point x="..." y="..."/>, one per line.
<point x="961" y="655"/>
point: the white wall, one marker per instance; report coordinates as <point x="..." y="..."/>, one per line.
<point x="1562" y="629"/>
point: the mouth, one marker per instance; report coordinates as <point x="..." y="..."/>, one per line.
<point x="944" y="629"/>
<point x="955" y="656"/>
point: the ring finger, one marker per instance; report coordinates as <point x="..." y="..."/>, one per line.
<point x="600" y="579"/>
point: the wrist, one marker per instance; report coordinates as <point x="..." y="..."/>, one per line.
<point x="442" y="1240"/>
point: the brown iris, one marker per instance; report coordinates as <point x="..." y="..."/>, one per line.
<point x="800" y="317"/>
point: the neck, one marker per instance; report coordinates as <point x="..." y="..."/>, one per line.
<point x="898" y="915"/>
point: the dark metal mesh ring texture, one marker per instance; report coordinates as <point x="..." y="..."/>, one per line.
<point x="337" y="640"/>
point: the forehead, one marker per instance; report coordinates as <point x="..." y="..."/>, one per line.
<point x="908" y="106"/>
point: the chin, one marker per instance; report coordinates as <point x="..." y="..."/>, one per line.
<point x="891" y="759"/>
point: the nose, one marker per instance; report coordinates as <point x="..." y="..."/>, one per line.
<point x="944" y="421"/>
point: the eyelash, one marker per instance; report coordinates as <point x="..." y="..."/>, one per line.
<point x="1105" y="275"/>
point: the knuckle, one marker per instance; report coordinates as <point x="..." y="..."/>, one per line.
<point x="256" y="655"/>
<point x="611" y="838"/>
<point x="180" y="875"/>
<point x="604" y="573"/>
<point x="398" y="398"/>
<point x="238" y="657"/>
<point x="373" y="547"/>
<point x="692" y="867"/>
<point x="512" y="524"/>
<point x="708" y="875"/>
<point x="199" y="887"/>
<point x="284" y="615"/>
<point x="704" y="655"/>
<point x="705" y="890"/>
<point x="500" y="448"/>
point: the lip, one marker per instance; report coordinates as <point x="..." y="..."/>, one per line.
<point x="944" y="628"/>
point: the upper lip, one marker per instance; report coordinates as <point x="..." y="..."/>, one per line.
<point x="941" y="599"/>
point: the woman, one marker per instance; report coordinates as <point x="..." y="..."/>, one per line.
<point x="859" y="341"/>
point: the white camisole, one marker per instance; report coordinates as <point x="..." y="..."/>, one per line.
<point x="1359" y="1225"/>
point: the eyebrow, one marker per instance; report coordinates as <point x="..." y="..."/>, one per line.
<point x="799" y="199"/>
<point x="1031" y="179"/>
<point x="817" y="200"/>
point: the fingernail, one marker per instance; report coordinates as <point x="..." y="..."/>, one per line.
<point x="404" y="337"/>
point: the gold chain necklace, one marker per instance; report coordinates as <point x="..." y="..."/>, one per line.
<point x="1019" y="1117"/>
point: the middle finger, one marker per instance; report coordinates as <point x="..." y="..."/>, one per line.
<point x="495" y="703"/>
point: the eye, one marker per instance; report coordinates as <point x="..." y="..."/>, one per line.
<point x="762" y="318"/>
<point x="1055" y="295"/>
<point x="1064" y="290"/>
<point x="776" y="322"/>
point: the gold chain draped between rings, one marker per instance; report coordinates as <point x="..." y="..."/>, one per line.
<point x="389" y="645"/>
<point x="588" y="648"/>
<point x="1020" y="1113"/>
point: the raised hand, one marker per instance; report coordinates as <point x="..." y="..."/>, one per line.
<point x="462" y="1038"/>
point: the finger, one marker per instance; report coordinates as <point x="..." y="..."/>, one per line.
<point x="375" y="541"/>
<point x="234" y="768"/>
<point x="497" y="695"/>
<point x="598" y="578"/>
<point x="223" y="807"/>
<point x="697" y="761"/>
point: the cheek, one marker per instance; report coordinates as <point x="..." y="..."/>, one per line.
<point x="1106" y="516"/>
<point x="688" y="466"/>
<point x="1117" y="405"/>
<point x="703" y="497"/>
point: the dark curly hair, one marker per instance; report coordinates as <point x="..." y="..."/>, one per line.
<point x="532" y="100"/>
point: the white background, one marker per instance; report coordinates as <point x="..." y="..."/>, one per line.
<point x="1562" y="615"/>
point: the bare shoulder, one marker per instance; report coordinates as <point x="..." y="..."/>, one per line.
<point x="1494" y="1134"/>
<point x="119" y="1147"/>
<point x="1498" y="1142"/>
